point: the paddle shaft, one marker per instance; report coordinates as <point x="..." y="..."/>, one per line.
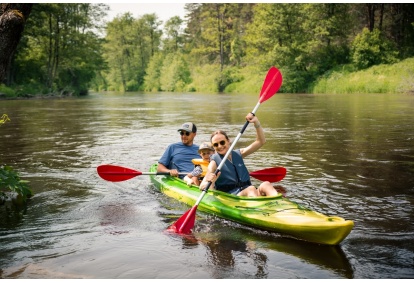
<point x="116" y="173"/>
<point x="200" y="198"/>
<point x="233" y="144"/>
<point x="271" y="85"/>
<point x="143" y="173"/>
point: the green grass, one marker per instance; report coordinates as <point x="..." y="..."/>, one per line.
<point x="7" y="91"/>
<point x="395" y="78"/>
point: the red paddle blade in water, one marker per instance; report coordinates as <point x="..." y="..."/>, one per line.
<point x="185" y="223"/>
<point x="270" y="174"/>
<point x="271" y="84"/>
<point x="115" y="173"/>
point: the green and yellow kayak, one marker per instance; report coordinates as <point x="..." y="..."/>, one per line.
<point x="277" y="214"/>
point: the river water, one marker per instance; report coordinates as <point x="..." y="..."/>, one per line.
<point x="346" y="155"/>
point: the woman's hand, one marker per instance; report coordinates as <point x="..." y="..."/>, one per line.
<point x="209" y="177"/>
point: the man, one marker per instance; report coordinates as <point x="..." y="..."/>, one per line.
<point x="177" y="157"/>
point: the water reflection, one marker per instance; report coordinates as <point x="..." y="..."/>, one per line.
<point x="225" y="253"/>
<point x="234" y="251"/>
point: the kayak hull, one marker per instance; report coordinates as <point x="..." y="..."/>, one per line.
<point x="275" y="214"/>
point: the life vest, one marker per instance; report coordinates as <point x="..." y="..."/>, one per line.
<point x="233" y="174"/>
<point x="202" y="163"/>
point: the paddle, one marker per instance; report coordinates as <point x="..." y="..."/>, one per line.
<point x="270" y="174"/>
<point x="271" y="85"/>
<point x="116" y="173"/>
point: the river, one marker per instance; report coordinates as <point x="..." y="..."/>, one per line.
<point x="346" y="155"/>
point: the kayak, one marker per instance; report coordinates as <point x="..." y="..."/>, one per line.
<point x="273" y="214"/>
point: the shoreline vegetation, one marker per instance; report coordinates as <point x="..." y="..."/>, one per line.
<point x="345" y="79"/>
<point x="69" y="50"/>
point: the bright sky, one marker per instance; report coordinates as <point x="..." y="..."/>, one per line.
<point x="164" y="11"/>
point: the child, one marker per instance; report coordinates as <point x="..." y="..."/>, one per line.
<point x="205" y="150"/>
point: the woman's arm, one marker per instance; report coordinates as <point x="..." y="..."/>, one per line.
<point x="260" y="137"/>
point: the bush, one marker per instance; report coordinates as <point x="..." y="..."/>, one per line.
<point x="12" y="186"/>
<point x="372" y="48"/>
<point x="6" y="91"/>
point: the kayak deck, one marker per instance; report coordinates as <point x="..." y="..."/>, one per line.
<point x="277" y="214"/>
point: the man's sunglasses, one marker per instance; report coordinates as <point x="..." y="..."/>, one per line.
<point x="223" y="142"/>
<point x="182" y="133"/>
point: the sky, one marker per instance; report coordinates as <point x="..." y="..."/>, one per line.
<point x="164" y="11"/>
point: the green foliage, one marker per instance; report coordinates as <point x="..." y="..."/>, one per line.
<point x="7" y="91"/>
<point x="227" y="76"/>
<point x="204" y="78"/>
<point x="174" y="35"/>
<point x="4" y="118"/>
<point x="175" y="73"/>
<point x="10" y="182"/>
<point x="383" y="78"/>
<point x="129" y="46"/>
<point x="372" y="48"/>
<point x="152" y="78"/>
<point x="248" y="80"/>
<point x="60" y="49"/>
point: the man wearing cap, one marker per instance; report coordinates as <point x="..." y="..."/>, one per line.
<point x="177" y="157"/>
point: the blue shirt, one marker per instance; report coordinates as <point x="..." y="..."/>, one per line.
<point x="178" y="156"/>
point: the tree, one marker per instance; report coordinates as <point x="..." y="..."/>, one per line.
<point x="13" y="18"/>
<point x="371" y="48"/>
<point x="60" y="48"/>
<point x="174" y="36"/>
<point x="304" y="40"/>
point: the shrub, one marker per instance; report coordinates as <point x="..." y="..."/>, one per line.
<point x="10" y="183"/>
<point x="372" y="48"/>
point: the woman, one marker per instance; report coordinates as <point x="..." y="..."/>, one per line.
<point x="234" y="177"/>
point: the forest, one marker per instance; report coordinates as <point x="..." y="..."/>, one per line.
<point x="67" y="48"/>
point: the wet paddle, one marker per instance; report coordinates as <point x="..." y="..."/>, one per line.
<point x="114" y="173"/>
<point x="271" y="85"/>
<point x="272" y="175"/>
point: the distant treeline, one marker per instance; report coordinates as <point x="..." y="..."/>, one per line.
<point x="67" y="48"/>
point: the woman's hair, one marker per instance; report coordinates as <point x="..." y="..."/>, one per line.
<point x="219" y="132"/>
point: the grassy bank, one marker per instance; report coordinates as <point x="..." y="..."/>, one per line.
<point x="246" y="80"/>
<point x="395" y="78"/>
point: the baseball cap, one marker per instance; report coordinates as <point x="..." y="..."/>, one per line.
<point x="205" y="145"/>
<point x="188" y="127"/>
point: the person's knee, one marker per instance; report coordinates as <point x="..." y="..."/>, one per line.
<point x="249" y="192"/>
<point x="266" y="189"/>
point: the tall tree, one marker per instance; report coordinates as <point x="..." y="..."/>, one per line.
<point x="119" y="51"/>
<point x="13" y="17"/>
<point x="61" y="47"/>
<point x="174" y="35"/>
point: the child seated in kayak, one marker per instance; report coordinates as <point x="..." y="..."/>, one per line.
<point x="205" y="150"/>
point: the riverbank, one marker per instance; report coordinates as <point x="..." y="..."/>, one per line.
<point x="345" y="79"/>
<point x="8" y="93"/>
<point x="393" y="78"/>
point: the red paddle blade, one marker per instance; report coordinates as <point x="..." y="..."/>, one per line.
<point x="115" y="173"/>
<point x="185" y="223"/>
<point x="271" y="84"/>
<point x="270" y="174"/>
